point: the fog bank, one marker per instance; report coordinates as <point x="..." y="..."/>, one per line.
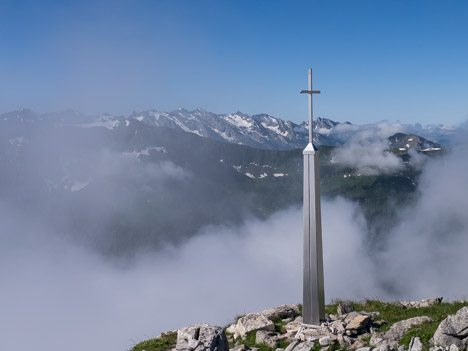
<point x="57" y="294"/>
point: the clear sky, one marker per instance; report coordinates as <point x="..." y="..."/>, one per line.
<point x="372" y="60"/>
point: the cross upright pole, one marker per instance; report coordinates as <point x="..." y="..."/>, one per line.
<point x="313" y="305"/>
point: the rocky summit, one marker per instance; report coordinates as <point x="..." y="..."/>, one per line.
<point x="392" y="326"/>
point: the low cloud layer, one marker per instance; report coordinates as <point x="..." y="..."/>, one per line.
<point x="368" y="152"/>
<point x="384" y="129"/>
<point x="426" y="251"/>
<point x="369" y="157"/>
<point x="57" y="294"/>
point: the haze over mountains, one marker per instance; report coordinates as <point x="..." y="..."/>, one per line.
<point x="121" y="183"/>
<point x="260" y="131"/>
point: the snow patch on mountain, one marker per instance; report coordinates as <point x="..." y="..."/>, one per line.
<point x="108" y="122"/>
<point x="239" y="120"/>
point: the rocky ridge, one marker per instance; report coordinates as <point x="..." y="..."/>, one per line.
<point x="281" y="329"/>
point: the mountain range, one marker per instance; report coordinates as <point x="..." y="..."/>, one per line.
<point x="121" y="183"/>
<point x="259" y="131"/>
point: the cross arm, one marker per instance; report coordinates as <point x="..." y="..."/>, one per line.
<point x="310" y="91"/>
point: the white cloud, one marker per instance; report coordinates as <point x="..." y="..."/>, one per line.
<point x="59" y="292"/>
<point x="368" y="157"/>
<point x="425" y="254"/>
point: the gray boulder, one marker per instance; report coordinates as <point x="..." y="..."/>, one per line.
<point x="337" y="327"/>
<point x="453" y="330"/>
<point x="357" y="322"/>
<point x="396" y="332"/>
<point x="253" y="321"/>
<point x="364" y="349"/>
<point x="294" y="326"/>
<point x="344" y="308"/>
<point x="201" y="337"/>
<point x="240" y="348"/>
<point x="267" y="338"/>
<point x="283" y="311"/>
<point x="325" y="340"/>
<point x="291" y="346"/>
<point x="300" y="346"/>
<point x="415" y="344"/>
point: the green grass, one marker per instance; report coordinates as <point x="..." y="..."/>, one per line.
<point x="279" y="325"/>
<point x="164" y="343"/>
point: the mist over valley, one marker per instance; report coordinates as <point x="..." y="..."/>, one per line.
<point x="130" y="222"/>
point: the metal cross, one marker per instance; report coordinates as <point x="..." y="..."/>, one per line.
<point x="311" y="112"/>
<point x="313" y="305"/>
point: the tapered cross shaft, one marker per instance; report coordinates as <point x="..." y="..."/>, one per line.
<point x="313" y="306"/>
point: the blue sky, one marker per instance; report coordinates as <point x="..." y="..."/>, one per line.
<point x="372" y="60"/>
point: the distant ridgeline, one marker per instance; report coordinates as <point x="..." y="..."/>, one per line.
<point x="119" y="183"/>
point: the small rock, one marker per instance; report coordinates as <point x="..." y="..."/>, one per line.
<point x="402" y="348"/>
<point x="293" y="327"/>
<point x="232" y="329"/>
<point x="420" y="303"/>
<point x="201" y="337"/>
<point x="325" y="341"/>
<point x="268" y="338"/>
<point x="380" y="322"/>
<point x="345" y="308"/>
<point x="348" y="340"/>
<point x="341" y="341"/>
<point x="357" y="345"/>
<point x="359" y="322"/>
<point x="453" y="347"/>
<point x="302" y="346"/>
<point x="311" y="334"/>
<point x="283" y="311"/>
<point x="364" y="349"/>
<point x="338" y="327"/>
<point x="240" y="348"/>
<point x="415" y="344"/>
<point x="291" y="346"/>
